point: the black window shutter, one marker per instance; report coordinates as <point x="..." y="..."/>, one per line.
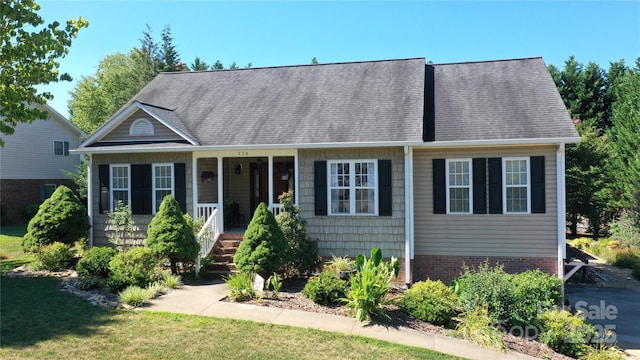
<point x="141" y="189"/>
<point x="537" y="185"/>
<point x="479" y="185"/>
<point x="384" y="180"/>
<point x="103" y="179"/>
<point x="495" y="185"/>
<point x="439" y="187"/>
<point x="320" y="187"/>
<point x="180" y="185"/>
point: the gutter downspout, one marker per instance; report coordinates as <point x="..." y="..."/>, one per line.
<point x="408" y="212"/>
<point x="561" y="209"/>
<point x="90" y="198"/>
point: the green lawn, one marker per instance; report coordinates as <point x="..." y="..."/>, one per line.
<point x="11" y="247"/>
<point x="41" y="322"/>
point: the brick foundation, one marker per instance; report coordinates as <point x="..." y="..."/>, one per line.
<point x="16" y="195"/>
<point x="446" y="268"/>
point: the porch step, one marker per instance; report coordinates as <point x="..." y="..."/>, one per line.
<point x="222" y="255"/>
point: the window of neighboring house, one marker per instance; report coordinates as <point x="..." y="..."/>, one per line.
<point x="352" y="187"/>
<point x="162" y="183"/>
<point x="120" y="185"/>
<point x="61" y="148"/>
<point x="46" y="190"/>
<point x="516" y="194"/>
<point x="459" y="190"/>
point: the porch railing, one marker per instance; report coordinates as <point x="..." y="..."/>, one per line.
<point x="275" y="209"/>
<point x="209" y="234"/>
<point x="204" y="210"/>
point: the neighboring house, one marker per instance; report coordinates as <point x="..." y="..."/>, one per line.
<point x="32" y="162"/>
<point x="437" y="165"/>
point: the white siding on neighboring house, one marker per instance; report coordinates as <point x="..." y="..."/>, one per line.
<point x="29" y="152"/>
<point x="519" y="235"/>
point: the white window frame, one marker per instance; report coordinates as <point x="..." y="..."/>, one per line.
<point x="156" y="189"/>
<point x="352" y="187"/>
<point x="505" y="186"/>
<point x="141" y="127"/>
<point x="112" y="184"/>
<point x="65" y="148"/>
<point x="468" y="186"/>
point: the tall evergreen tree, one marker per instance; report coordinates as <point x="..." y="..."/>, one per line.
<point x="199" y="65"/>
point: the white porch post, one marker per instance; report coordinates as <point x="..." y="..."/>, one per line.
<point x="220" y="195"/>
<point x="561" y="201"/>
<point x="194" y="186"/>
<point x="296" y="180"/>
<point x="270" y="181"/>
<point x="90" y="198"/>
<point x="408" y="212"/>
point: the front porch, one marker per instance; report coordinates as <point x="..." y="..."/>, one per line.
<point x="229" y="185"/>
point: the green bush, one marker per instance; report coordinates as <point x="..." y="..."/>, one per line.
<point x="603" y="352"/>
<point x="626" y="258"/>
<point x="156" y="289"/>
<point x="31" y="210"/>
<point x="137" y="266"/>
<point x="135" y="295"/>
<point x="478" y="327"/>
<point x="240" y="286"/>
<point x="566" y="333"/>
<point x="95" y="262"/>
<point x="533" y="292"/>
<point x="89" y="282"/>
<point x="54" y="257"/>
<point x="370" y="285"/>
<point x="582" y="243"/>
<point x="264" y="249"/>
<point x="304" y="258"/>
<point x="325" y="289"/>
<point x="60" y="218"/>
<point x="430" y="301"/>
<point x="172" y="281"/>
<point x="171" y="236"/>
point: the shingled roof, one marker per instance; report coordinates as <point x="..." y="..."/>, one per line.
<point x="496" y="100"/>
<point x="333" y="103"/>
<point x="375" y="102"/>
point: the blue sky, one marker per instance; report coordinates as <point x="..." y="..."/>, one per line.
<point x="268" y="33"/>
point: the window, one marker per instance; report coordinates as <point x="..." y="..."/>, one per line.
<point x="162" y="183"/>
<point x="516" y="185"/>
<point x="352" y="187"/>
<point x="61" y="148"/>
<point x="141" y="127"/>
<point x="120" y="184"/>
<point x="459" y="190"/>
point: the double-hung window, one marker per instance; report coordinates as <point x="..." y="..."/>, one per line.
<point x="459" y="189"/>
<point x="120" y="184"/>
<point x="352" y="187"/>
<point x="60" y="148"/>
<point x="163" y="184"/>
<point x="516" y="195"/>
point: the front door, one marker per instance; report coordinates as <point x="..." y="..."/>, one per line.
<point x="259" y="184"/>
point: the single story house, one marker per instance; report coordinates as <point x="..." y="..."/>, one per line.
<point x="33" y="161"/>
<point x="436" y="164"/>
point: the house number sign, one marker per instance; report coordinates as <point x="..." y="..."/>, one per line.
<point x="243" y="153"/>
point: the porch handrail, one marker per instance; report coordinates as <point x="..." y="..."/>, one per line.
<point x="208" y="235"/>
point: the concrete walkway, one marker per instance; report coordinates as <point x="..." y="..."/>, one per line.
<point x="204" y="300"/>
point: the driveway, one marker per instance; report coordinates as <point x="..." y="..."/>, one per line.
<point x="611" y="309"/>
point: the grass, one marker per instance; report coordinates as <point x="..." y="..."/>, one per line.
<point x="39" y="321"/>
<point x="11" y="247"/>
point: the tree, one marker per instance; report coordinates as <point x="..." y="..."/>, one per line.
<point x="170" y="235"/>
<point x="314" y="61"/>
<point x="60" y="218"/>
<point x="30" y="57"/>
<point x="304" y="257"/>
<point x="263" y="249"/>
<point x="169" y="57"/>
<point x="199" y="65"/>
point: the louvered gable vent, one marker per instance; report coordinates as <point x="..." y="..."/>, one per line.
<point x="141" y="127"/>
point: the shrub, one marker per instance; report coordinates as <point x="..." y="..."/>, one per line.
<point x="533" y="291"/>
<point x="31" y="210"/>
<point x="626" y="258"/>
<point x="275" y="283"/>
<point x="325" y="289"/>
<point x="170" y="235"/>
<point x="477" y="326"/>
<point x="60" y="218"/>
<point x="264" y="249"/>
<point x="304" y="256"/>
<point x="95" y="262"/>
<point x="603" y="352"/>
<point x="134" y="295"/>
<point x="430" y="301"/>
<point x="240" y="286"/>
<point x="342" y="263"/>
<point x="565" y="333"/>
<point x="582" y="243"/>
<point x="370" y="284"/>
<point x="490" y="286"/>
<point x="172" y="281"/>
<point x="54" y="257"/>
<point x="121" y="223"/>
<point x="156" y="289"/>
<point x="137" y="266"/>
<point x="89" y="282"/>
